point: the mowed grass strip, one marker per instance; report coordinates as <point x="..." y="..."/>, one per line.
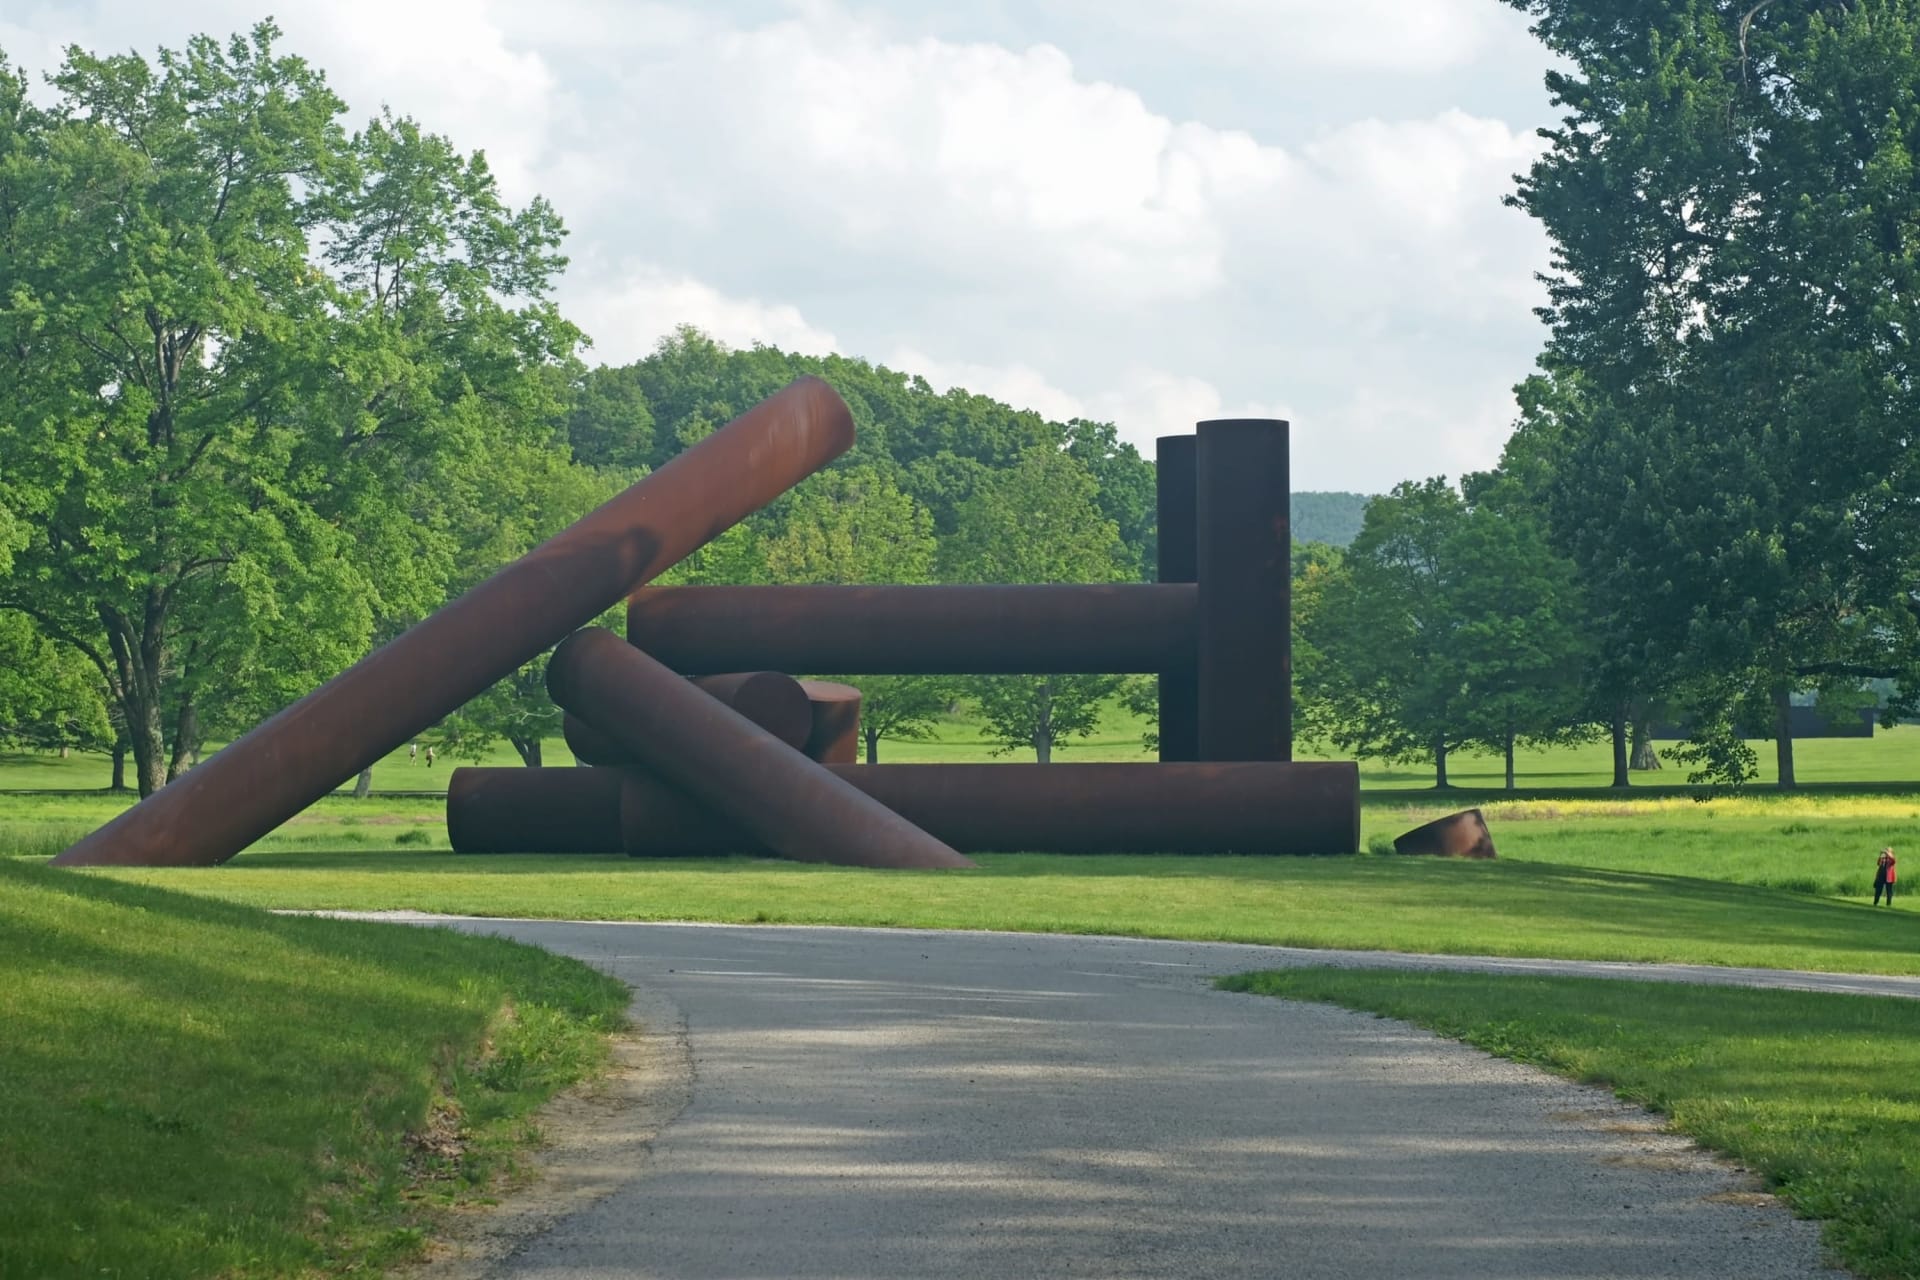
<point x="193" y="1088"/>
<point x="1391" y="903"/>
<point x="1818" y="1094"/>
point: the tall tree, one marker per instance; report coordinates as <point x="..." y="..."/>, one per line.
<point x="242" y="350"/>
<point x="1731" y="203"/>
<point x="1037" y="521"/>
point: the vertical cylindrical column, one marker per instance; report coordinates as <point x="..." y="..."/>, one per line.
<point x="1243" y="555"/>
<point x="1177" y="561"/>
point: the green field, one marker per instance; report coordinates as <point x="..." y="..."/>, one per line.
<point x="194" y="1089"/>
<point x="1819" y="1094"/>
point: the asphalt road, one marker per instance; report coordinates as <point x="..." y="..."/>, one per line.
<point x="872" y="1103"/>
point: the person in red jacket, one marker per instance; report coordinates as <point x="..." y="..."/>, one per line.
<point x="1883" y="876"/>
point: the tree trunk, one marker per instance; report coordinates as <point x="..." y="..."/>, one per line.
<point x="149" y="743"/>
<point x="873" y="744"/>
<point x="1783" y="735"/>
<point x="63" y="751"/>
<point x="1645" y="758"/>
<point x="185" y="730"/>
<point x="1440" y="762"/>
<point x="1619" y="727"/>
<point x="1043" y="726"/>
<point x="1509" y="757"/>
<point x="363" y="786"/>
<point x="119" y="782"/>
<point x="529" y="749"/>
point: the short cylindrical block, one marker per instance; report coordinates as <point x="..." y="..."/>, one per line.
<point x="835" y="736"/>
<point x="1458" y="835"/>
<point x="786" y="802"/>
<point x="966" y="630"/>
<point x="534" y="810"/>
<point x="1244" y="561"/>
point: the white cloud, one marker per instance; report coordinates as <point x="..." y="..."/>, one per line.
<point x="628" y="315"/>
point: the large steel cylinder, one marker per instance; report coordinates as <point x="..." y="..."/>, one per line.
<point x="917" y="630"/>
<point x="777" y="703"/>
<point x="1190" y="808"/>
<point x="1244" y="553"/>
<point x="1175" y="560"/>
<point x="835" y="738"/>
<point x="786" y="802"/>
<point x="534" y="810"/>
<point x="270" y="774"/>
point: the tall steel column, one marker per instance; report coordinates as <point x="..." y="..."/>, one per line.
<point x="1243" y="558"/>
<point x="1177" y="560"/>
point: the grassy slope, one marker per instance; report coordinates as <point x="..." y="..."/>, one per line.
<point x="1819" y="1094"/>
<point x="194" y="1088"/>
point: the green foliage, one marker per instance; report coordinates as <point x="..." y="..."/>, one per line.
<point x="196" y="1088"/>
<point x="1816" y="1093"/>
<point x="1731" y="203"/>
<point x="244" y="362"/>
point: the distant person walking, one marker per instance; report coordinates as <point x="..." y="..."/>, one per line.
<point x="429" y="757"/>
<point x="413" y="752"/>
<point x="1884" y="874"/>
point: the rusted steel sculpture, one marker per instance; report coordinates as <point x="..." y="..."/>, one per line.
<point x="1175" y="496"/>
<point x="398" y="691"/>
<point x="917" y="630"/>
<point x="777" y="703"/>
<point x="1243" y="555"/>
<point x="791" y="805"/>
<point x="835" y="738"/>
<point x="1458" y="835"/>
<point x="534" y="810"/>
<point x="1199" y="808"/>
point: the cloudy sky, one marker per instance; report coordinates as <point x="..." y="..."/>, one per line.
<point x="1131" y="210"/>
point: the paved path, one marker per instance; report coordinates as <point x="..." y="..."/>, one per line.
<point x="876" y="1103"/>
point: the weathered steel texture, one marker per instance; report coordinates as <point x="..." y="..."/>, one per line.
<point x="1243" y="555"/>
<point x="972" y="630"/>
<point x="1458" y="835"/>
<point x="243" y="792"/>
<point x="835" y="738"/>
<point x="1249" y="808"/>
<point x="775" y="702"/>
<point x="1177" y="560"/>
<point x="791" y="805"/>
<point x="534" y="810"/>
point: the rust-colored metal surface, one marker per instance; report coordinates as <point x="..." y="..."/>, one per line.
<point x="789" y="804"/>
<point x="1177" y="560"/>
<point x="835" y="738"/>
<point x="1458" y="835"/>
<point x="1243" y="552"/>
<point x="246" y="790"/>
<point x="534" y="810"/>
<point x="775" y="702"/>
<point x="917" y="630"/>
<point x="1190" y="808"/>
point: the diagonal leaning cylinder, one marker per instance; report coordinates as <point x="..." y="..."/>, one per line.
<point x="793" y="806"/>
<point x="403" y="688"/>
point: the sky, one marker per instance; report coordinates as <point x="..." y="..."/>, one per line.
<point x="1129" y="210"/>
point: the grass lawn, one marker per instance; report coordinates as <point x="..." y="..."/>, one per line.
<point x="1819" y="1094"/>
<point x="194" y="1088"/>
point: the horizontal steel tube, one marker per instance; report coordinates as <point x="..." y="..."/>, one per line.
<point x="253" y="785"/>
<point x="788" y="803"/>
<point x="1126" y="627"/>
<point x="555" y="810"/>
<point x="1257" y="807"/>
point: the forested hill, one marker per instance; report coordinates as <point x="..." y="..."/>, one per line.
<point x="1332" y="517"/>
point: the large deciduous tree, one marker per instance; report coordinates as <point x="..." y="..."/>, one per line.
<point x="244" y="357"/>
<point x="1732" y="204"/>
